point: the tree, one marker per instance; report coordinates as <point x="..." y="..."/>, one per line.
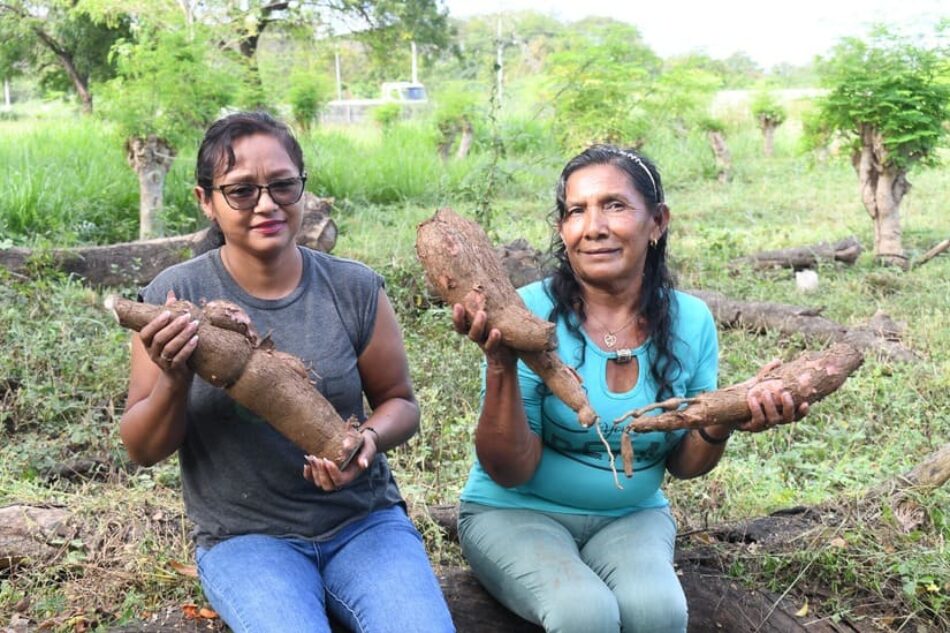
<point x="170" y="86"/>
<point x="59" y="41"/>
<point x="309" y="93"/>
<point x="599" y="83"/>
<point x="770" y="114"/>
<point x="889" y="100"/>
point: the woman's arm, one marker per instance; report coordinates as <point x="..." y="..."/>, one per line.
<point x="507" y="448"/>
<point x="384" y="370"/>
<point x="153" y="425"/>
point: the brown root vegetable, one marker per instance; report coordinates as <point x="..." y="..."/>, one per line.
<point x="808" y="378"/>
<point x="463" y="267"/>
<point x="272" y="384"/>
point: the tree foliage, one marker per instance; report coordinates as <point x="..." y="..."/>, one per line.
<point x="889" y="85"/>
<point x="599" y="83"/>
<point x="767" y="110"/>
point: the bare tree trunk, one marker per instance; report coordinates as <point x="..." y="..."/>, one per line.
<point x="721" y="151"/>
<point x="468" y="135"/>
<point x="151" y="158"/>
<point x="80" y="83"/>
<point x="768" y="135"/>
<point x="882" y="188"/>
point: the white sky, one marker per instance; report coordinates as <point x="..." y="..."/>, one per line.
<point x="792" y="31"/>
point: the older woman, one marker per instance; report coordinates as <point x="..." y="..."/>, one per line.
<point x="541" y="522"/>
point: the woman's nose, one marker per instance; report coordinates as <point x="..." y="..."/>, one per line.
<point x="595" y="222"/>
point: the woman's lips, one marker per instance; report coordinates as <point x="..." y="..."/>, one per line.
<point x="269" y="228"/>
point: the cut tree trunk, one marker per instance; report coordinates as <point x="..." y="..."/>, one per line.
<point x="798" y="258"/>
<point x="137" y="263"/>
<point x="274" y="385"/>
<point x="465" y="144"/>
<point x="768" y="136"/>
<point x="717" y="142"/>
<point x="880" y="336"/>
<point x="882" y="188"/>
<point x="151" y="158"/>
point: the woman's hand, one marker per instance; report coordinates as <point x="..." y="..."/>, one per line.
<point x="497" y="353"/>
<point x="771" y="403"/>
<point x="327" y="476"/>
<point x="170" y="340"/>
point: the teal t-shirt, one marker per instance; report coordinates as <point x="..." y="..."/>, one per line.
<point x="574" y="474"/>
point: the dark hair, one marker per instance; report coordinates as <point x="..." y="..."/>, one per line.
<point x="656" y="293"/>
<point x="216" y="153"/>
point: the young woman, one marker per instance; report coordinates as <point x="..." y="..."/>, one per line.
<point x="284" y="538"/>
<point x="541" y="522"/>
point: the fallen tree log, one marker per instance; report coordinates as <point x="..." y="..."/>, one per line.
<point x="879" y="337"/>
<point x="808" y="378"/>
<point x="845" y="251"/>
<point x="137" y="263"/>
<point x="464" y="269"/>
<point x="272" y="384"/>
<point x="933" y="252"/>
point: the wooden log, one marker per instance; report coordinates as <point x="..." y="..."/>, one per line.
<point x="808" y="378"/>
<point x="137" y="263"/>
<point x="933" y="252"/>
<point x="272" y="384"/>
<point x="846" y="251"/>
<point x="879" y="337"/>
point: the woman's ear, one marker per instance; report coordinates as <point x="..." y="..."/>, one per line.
<point x="204" y="201"/>
<point x="662" y="220"/>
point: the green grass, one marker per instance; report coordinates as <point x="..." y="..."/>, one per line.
<point x="63" y="371"/>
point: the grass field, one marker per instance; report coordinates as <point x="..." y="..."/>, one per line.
<point x="64" y="363"/>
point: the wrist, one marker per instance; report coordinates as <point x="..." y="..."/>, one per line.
<point x="368" y="430"/>
<point x="715" y="435"/>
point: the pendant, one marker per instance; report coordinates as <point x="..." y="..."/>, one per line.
<point x="610" y="340"/>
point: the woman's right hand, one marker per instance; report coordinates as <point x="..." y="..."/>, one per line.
<point x="170" y="340"/>
<point x="497" y="353"/>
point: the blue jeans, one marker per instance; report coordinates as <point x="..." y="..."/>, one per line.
<point x="373" y="576"/>
<point x="578" y="573"/>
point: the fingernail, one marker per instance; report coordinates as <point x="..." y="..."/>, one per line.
<point x="193" y="340"/>
<point x="165" y="314"/>
<point x="363" y="464"/>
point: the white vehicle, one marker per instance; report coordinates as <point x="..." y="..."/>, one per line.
<point x="409" y="94"/>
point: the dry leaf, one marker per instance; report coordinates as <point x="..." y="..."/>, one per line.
<point x="207" y="614"/>
<point x="909" y="515"/>
<point x="801" y="613"/>
<point x="185" y="570"/>
<point x="190" y="611"/>
<point x="838" y="542"/>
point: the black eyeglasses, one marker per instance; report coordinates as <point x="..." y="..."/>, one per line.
<point x="244" y="196"/>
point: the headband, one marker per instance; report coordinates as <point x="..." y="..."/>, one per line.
<point x="636" y="159"/>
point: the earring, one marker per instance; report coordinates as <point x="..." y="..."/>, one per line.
<point x="653" y="243"/>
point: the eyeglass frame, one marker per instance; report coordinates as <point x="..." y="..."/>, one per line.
<point x="260" y="190"/>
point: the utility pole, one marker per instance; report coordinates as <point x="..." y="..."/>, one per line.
<point x="415" y="74"/>
<point x="6" y="92"/>
<point x="339" y="81"/>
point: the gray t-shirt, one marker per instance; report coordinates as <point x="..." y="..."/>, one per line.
<point x="239" y="475"/>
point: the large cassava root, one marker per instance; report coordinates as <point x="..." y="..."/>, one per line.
<point x="463" y="267"/>
<point x="809" y="378"/>
<point x="272" y="384"/>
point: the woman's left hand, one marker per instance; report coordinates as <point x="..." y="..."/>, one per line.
<point x="327" y="476"/>
<point x="771" y="404"/>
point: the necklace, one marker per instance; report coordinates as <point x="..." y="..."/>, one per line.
<point x="610" y="338"/>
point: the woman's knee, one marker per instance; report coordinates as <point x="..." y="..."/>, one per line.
<point x="592" y="609"/>
<point x="659" y="608"/>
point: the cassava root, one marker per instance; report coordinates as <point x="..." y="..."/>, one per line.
<point x="464" y="269"/>
<point x="272" y="384"/>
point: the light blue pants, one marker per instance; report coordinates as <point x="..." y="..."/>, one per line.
<point x="373" y="576"/>
<point x="578" y="573"/>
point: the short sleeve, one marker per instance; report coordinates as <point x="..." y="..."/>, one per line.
<point x="705" y="376"/>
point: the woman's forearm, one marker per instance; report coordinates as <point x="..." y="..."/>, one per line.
<point x="154" y="427"/>
<point x="695" y="456"/>
<point x="507" y="448"/>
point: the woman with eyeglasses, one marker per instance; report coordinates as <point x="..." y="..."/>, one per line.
<point x="282" y="538"/>
<point x="541" y="522"/>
